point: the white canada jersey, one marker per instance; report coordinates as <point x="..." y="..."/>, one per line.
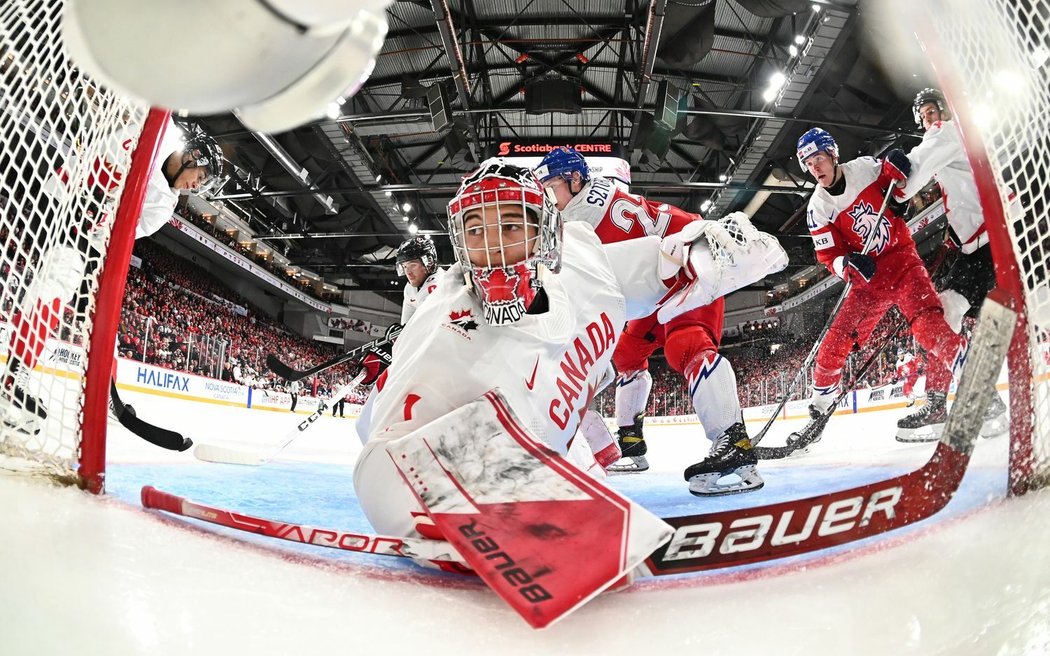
<point x="941" y="156"/>
<point x="547" y="365"/>
<point x="161" y="199"/>
<point x="414" y="296"/>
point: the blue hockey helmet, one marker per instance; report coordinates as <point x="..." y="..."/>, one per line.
<point x="814" y="141"/>
<point x="563" y="161"/>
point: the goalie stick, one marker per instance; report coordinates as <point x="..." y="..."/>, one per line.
<point x="732" y="538"/>
<point x="249" y="457"/>
<point x="292" y="375"/>
<point x="750" y="535"/>
<point x="322" y="537"/>
<point x="778" y="452"/>
<point x="827" y="326"/>
<point x="162" y="437"/>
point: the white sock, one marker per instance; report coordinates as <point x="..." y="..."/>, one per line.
<point x="713" y="391"/>
<point x="632" y="395"/>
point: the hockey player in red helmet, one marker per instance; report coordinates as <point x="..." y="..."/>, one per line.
<point x="524" y="324"/>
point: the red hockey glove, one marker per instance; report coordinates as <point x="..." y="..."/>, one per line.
<point x="896" y="167"/>
<point x="373" y="364"/>
<point x="855" y="267"/>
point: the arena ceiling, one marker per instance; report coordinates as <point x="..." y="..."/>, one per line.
<point x="338" y="195"/>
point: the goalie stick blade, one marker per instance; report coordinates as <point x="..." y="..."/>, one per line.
<point x="227" y="456"/>
<point x="383" y="545"/>
<point x="750" y="535"/>
<point x="162" y="437"/>
<point x="256" y="457"/>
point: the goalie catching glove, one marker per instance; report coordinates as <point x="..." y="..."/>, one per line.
<point x="732" y="250"/>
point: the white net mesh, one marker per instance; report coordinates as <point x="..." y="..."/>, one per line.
<point x="994" y="57"/>
<point x="65" y="147"/>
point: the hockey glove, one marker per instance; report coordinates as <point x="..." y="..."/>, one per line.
<point x="393" y="331"/>
<point x="855" y="267"/>
<point x="708" y="259"/>
<point x="373" y="364"/>
<point x="896" y="167"/>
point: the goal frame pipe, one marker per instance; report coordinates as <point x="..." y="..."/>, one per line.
<point x="92" y="458"/>
<point x="1007" y="271"/>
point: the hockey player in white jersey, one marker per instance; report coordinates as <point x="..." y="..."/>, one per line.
<point x="962" y="289"/>
<point x="179" y="168"/>
<point x="690" y="341"/>
<point x="535" y="309"/>
<point x="418" y="262"/>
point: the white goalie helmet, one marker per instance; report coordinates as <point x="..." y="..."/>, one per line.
<point x="504" y="227"/>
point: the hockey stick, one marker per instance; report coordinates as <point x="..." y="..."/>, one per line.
<point x="292" y="375"/>
<point x="778" y="452"/>
<point x="162" y="437"/>
<point x="735" y="537"/>
<point x="827" y="326"/>
<point x="322" y="537"/>
<point x="231" y="456"/>
<point x="747" y="535"/>
<point x="750" y="535"/>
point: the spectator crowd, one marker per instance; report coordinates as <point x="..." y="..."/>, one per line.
<point x="175" y="315"/>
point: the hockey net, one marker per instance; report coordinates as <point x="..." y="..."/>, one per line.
<point x="993" y="60"/>
<point x="70" y="189"/>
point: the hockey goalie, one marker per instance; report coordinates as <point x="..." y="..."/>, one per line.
<point x="470" y="434"/>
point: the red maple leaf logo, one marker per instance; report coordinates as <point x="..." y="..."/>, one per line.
<point x="498" y="287"/>
<point x="456" y="316"/>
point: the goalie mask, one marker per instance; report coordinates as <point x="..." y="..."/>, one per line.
<point x="504" y="227"/>
<point x="420" y="248"/>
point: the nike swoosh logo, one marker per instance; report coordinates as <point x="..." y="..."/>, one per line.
<point x="532" y="379"/>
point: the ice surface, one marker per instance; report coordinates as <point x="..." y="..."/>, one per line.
<point x="89" y="576"/>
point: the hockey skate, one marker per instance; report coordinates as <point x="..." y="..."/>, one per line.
<point x="19" y="408"/>
<point x="996" y="418"/>
<point x="632" y="448"/>
<point x="731" y="455"/>
<point x="812" y="431"/>
<point x="927" y="424"/>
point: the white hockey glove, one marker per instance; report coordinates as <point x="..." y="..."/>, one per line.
<point x="709" y="259"/>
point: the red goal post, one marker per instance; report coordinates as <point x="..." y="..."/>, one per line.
<point x="992" y="59"/>
<point x="75" y="160"/>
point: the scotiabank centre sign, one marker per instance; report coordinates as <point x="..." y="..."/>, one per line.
<point x="541" y="148"/>
<point x="603" y="159"/>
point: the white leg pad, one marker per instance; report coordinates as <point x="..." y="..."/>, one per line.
<point x="632" y="395"/>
